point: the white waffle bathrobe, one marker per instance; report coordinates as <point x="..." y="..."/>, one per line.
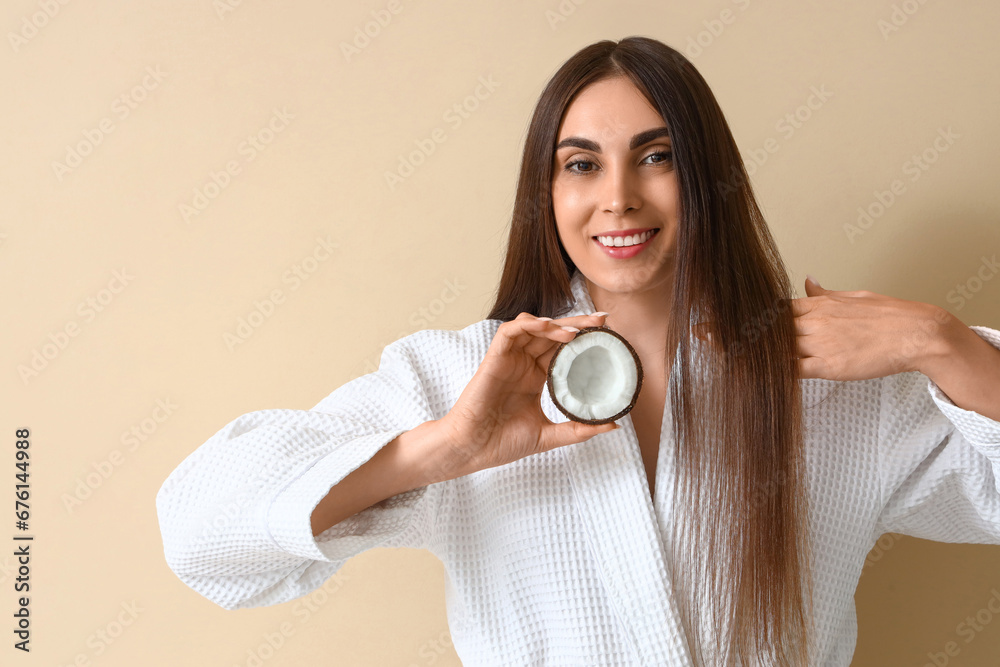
<point x="559" y="558"/>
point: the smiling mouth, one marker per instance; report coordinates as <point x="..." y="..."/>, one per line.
<point x="652" y="232"/>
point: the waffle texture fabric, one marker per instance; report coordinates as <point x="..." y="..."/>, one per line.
<point x="560" y="558"/>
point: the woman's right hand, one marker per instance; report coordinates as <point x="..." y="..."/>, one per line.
<point x="498" y="418"/>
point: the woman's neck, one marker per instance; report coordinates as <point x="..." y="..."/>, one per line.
<point x="641" y="317"/>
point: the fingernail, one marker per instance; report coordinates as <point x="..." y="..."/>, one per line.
<point x="812" y="280"/>
<point x="599" y="313"/>
<point x="545" y="318"/>
<point x="570" y="328"/>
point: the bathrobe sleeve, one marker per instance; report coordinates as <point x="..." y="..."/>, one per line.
<point x="235" y="514"/>
<point x="939" y="465"/>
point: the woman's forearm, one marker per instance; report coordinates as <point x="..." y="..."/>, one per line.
<point x="415" y="458"/>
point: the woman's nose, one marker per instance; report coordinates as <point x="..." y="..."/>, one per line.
<point x="620" y="191"/>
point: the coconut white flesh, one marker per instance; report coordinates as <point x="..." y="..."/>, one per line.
<point x="594" y="376"/>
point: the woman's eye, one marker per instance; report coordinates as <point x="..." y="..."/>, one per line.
<point x="569" y="167"/>
<point x="666" y="156"/>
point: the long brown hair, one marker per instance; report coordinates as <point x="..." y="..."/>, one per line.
<point x="740" y="542"/>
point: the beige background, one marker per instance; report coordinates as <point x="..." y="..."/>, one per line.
<point x="424" y="254"/>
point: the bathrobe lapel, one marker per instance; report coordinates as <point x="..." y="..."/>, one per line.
<point x="609" y="484"/>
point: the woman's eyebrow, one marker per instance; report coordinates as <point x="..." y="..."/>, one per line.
<point x="639" y="139"/>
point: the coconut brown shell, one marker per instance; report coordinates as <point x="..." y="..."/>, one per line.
<point x="638" y="383"/>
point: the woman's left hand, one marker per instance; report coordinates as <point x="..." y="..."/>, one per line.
<point x="861" y="335"/>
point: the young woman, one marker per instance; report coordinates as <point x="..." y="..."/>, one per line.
<point x="724" y="520"/>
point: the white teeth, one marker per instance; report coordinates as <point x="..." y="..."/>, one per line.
<point x="625" y="241"/>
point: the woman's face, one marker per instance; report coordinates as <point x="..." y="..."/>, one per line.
<point x="613" y="172"/>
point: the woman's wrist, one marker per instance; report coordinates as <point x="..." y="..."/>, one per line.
<point x="429" y="452"/>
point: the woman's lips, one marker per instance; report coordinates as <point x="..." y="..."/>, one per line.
<point x="625" y="252"/>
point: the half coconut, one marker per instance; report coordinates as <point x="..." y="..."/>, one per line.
<point x="596" y="377"/>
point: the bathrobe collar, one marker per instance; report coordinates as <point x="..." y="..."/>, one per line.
<point x="627" y="533"/>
